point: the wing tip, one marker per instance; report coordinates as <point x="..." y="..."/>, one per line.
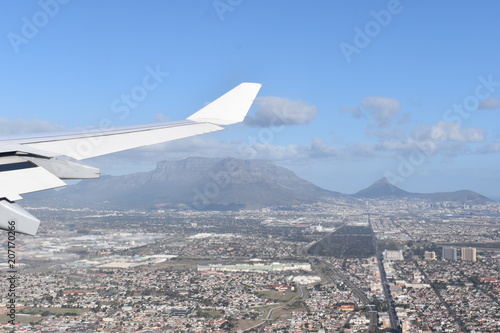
<point x="230" y="108"/>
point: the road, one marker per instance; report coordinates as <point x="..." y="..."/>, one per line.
<point x="395" y="327"/>
<point x="334" y="275"/>
<point x="347" y="320"/>
<point x="303" y="294"/>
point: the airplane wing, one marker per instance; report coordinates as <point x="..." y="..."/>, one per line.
<point x="32" y="163"/>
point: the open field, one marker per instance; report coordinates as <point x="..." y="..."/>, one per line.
<point x="279" y="296"/>
<point x="56" y="311"/>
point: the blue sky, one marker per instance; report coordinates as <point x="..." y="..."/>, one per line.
<point x="409" y="90"/>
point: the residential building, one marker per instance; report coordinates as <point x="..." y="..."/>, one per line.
<point x="469" y="253"/>
<point x="449" y="253"/>
<point x="430" y="255"/>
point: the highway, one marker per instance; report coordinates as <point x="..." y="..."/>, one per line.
<point x="395" y="327"/>
<point x="335" y="275"/>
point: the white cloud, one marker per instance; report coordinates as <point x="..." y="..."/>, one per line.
<point x="21" y="126"/>
<point x="268" y="151"/>
<point x="353" y="111"/>
<point x="490" y="103"/>
<point x="278" y="111"/>
<point x="386" y="133"/>
<point x="396" y="146"/>
<point x="144" y="159"/>
<point x="382" y="109"/>
<point x="449" y="131"/>
<point x="174" y="150"/>
<point x="493" y="147"/>
<point x="160" y="117"/>
<point x="320" y="149"/>
<point x="363" y="150"/>
<point x="405" y="119"/>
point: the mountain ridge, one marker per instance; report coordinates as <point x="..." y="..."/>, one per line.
<point x="218" y="184"/>
<point x="195" y="182"/>
<point x="383" y="188"/>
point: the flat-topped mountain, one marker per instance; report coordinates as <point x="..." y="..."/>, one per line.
<point x="195" y="182"/>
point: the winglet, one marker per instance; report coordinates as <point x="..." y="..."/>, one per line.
<point x="230" y="108"/>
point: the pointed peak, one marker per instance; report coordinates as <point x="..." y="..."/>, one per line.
<point x="383" y="180"/>
<point x="382" y="188"/>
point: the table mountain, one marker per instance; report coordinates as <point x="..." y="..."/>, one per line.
<point x="195" y="182"/>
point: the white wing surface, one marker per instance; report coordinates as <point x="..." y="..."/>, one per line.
<point x="32" y="163"/>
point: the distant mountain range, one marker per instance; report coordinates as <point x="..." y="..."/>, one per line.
<point x="216" y="184"/>
<point x="196" y="182"/>
<point x="383" y="188"/>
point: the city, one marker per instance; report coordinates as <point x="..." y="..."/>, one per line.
<point x="431" y="267"/>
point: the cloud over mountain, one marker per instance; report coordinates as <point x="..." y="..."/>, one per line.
<point x="356" y="112"/>
<point x="279" y="111"/>
<point x="449" y="131"/>
<point x="493" y="147"/>
<point x="382" y="109"/>
<point x="490" y="103"/>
